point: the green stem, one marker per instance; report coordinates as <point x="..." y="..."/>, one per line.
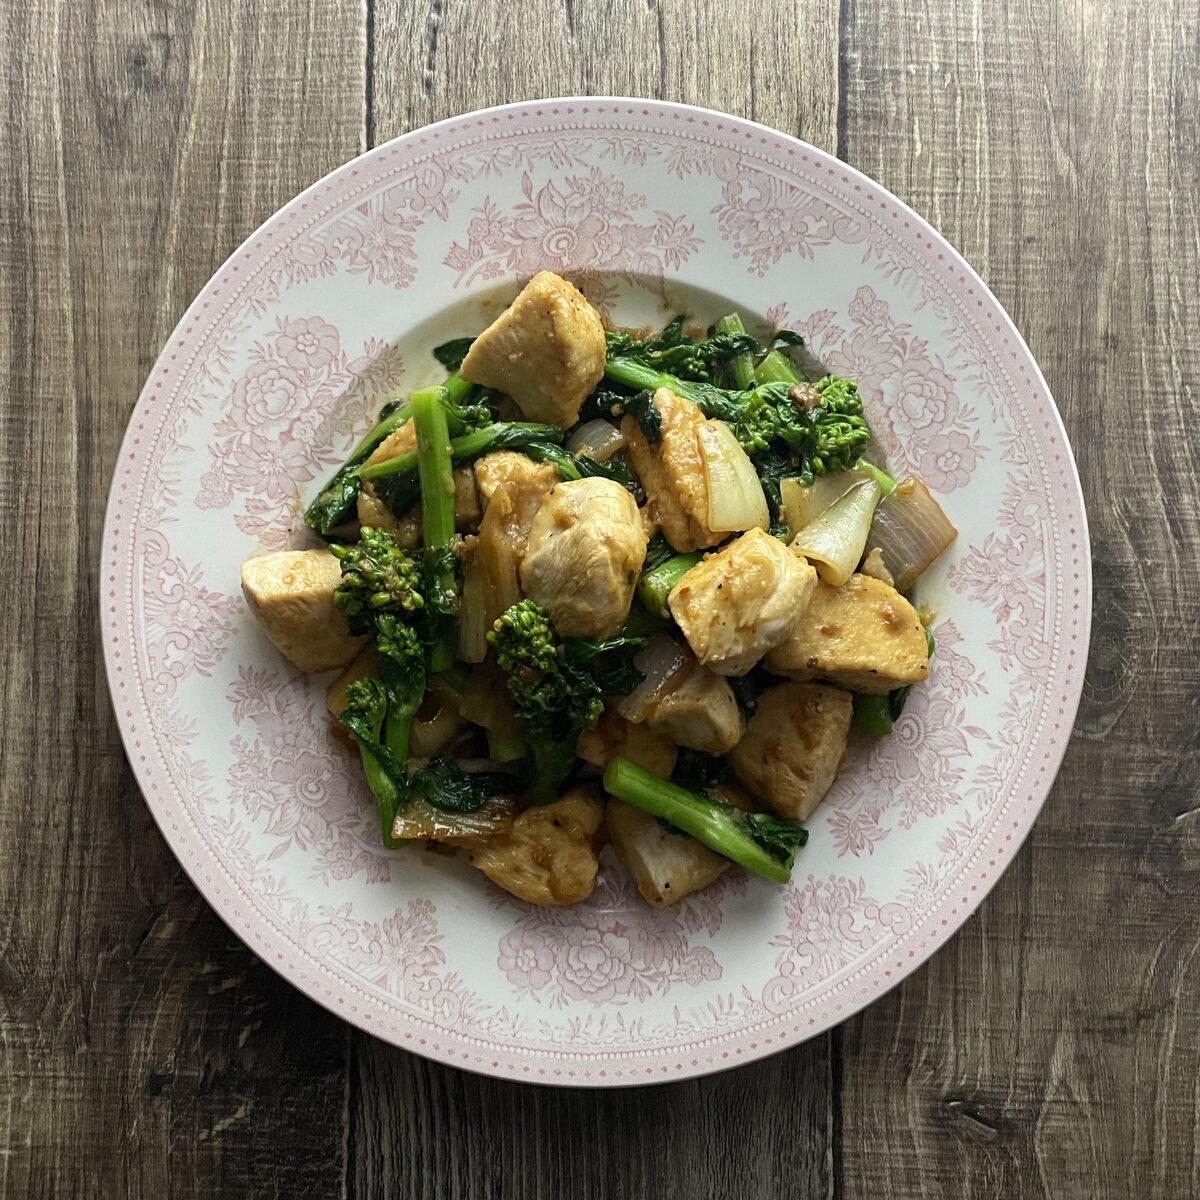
<point x="456" y="389"/>
<point x="741" y="368"/>
<point x="656" y="584"/>
<point x="504" y="749"/>
<point x="707" y="821"/>
<point x="336" y="500"/>
<point x="887" y="485"/>
<point x="632" y="374"/>
<point x="776" y="367"/>
<point x="436" y="473"/>
<point x="506" y="435"/>
<point x="872" y="715"/>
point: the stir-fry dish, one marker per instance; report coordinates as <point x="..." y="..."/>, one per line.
<point x="609" y="586"/>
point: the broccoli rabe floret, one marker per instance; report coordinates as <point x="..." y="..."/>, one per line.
<point x="378" y="577"/>
<point x="554" y="702"/>
<point x="364" y="716"/>
<point x="558" y="687"/>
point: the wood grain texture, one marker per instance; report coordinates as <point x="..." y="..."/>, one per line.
<point x="143" y="1050"/>
<point x="1051" y="1049"/>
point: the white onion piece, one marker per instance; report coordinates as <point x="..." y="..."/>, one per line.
<point x="436" y="722"/>
<point x="910" y="531"/>
<point x="486" y="701"/>
<point x="472" y="616"/>
<point x="420" y="820"/>
<point x="834" y="541"/>
<point x="735" y="495"/>
<point x="803" y="504"/>
<point x="597" y="439"/>
<point x="661" y="660"/>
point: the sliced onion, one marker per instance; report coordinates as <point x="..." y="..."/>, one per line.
<point x="422" y="821"/>
<point x="910" y="531"/>
<point x="735" y="495"/>
<point x="661" y="660"/>
<point x="597" y="439"/>
<point x="835" y="540"/>
<point x="485" y="701"/>
<point x="803" y="504"/>
<point x="436" y="722"/>
<point x="472" y="615"/>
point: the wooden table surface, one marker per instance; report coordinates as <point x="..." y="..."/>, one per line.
<point x="1051" y="1049"/>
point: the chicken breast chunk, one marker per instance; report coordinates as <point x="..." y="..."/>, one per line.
<point x="511" y="490"/>
<point x="546" y="351"/>
<point x="665" y="865"/>
<point x="547" y="854"/>
<point x="503" y="467"/>
<point x="737" y="604"/>
<point x="697" y="709"/>
<point x="336" y="700"/>
<point x="613" y="736"/>
<point x="863" y="636"/>
<point x="672" y="472"/>
<point x="585" y="551"/>
<point x="794" y="746"/>
<point x="291" y="593"/>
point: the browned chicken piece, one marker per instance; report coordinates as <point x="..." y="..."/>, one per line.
<point x="547" y="854"/>
<point x="585" y="552"/>
<point x="874" y="566"/>
<point x="335" y="693"/>
<point x="737" y="604"/>
<point x="613" y="736"/>
<point x="402" y="440"/>
<point x="503" y="467"/>
<point x="697" y="709"/>
<point x="546" y="351"/>
<point x="374" y="514"/>
<point x="467" y="508"/>
<point x="672" y="472"/>
<point x="794" y="746"/>
<point x="291" y="593"/>
<point x="512" y="489"/>
<point x="665" y="865"/>
<point x="863" y="636"/>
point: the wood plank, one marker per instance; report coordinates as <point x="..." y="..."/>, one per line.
<point x="145" y="1051"/>
<point x="420" y="1130"/>
<point x="432" y="61"/>
<point x="1051" y="1049"/>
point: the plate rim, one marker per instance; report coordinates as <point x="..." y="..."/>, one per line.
<point x="245" y="925"/>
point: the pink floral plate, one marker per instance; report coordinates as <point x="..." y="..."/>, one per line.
<point x="332" y="306"/>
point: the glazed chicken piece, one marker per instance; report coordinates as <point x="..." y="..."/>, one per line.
<point x="547" y="855"/>
<point x="863" y="636"/>
<point x="665" y="865"/>
<point x="335" y="694"/>
<point x="371" y="509"/>
<point x="697" y="709"/>
<point x="511" y="489"/>
<point x="672" y="472"/>
<point x="585" y="552"/>
<point x="504" y="467"/>
<point x="546" y="351"/>
<point x="614" y="736"/>
<point x="737" y="604"/>
<point x="291" y="593"/>
<point x="794" y="746"/>
<point x="373" y="512"/>
<point x="402" y="440"/>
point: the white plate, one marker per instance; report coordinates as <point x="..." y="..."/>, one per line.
<point x="332" y="306"/>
